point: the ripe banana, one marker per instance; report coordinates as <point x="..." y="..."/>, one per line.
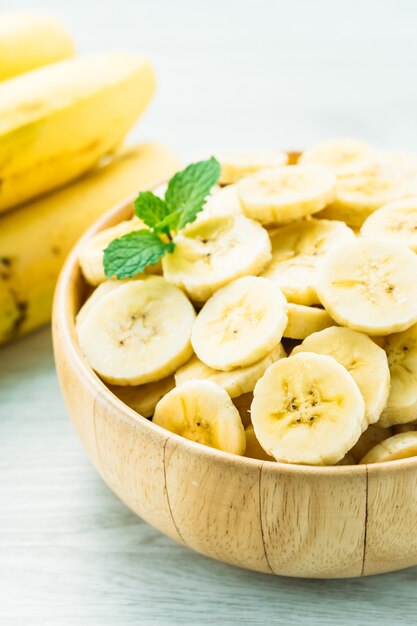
<point x="305" y="320"/>
<point x="240" y="324"/>
<point x="31" y="40"/>
<point x="402" y="446"/>
<point x="138" y="333"/>
<point x="345" y="157"/>
<point x="297" y="251"/>
<point x="237" y="381"/>
<point x="369" y="439"/>
<point x="203" y="412"/>
<point x="282" y="195"/>
<point x="365" y="361"/>
<point x="308" y="409"/>
<point x="238" y="165"/>
<point x="401" y="349"/>
<point x="144" y="398"/>
<point x="210" y="254"/>
<point x="35" y="240"/>
<point x="58" y="121"/>
<point x="396" y="221"/>
<point x="369" y="285"/>
<point x="254" y="450"/>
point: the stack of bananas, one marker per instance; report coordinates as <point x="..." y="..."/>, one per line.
<point x="62" y="119"/>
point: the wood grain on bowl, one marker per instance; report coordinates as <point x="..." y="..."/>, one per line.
<point x="320" y="522"/>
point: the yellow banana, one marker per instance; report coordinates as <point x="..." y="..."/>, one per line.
<point x="58" y="121"/>
<point x="35" y="240"/>
<point x="31" y="40"/>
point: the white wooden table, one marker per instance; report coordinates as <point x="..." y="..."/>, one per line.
<point x="232" y="73"/>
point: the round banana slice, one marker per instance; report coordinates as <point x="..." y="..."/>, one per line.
<point x="243" y="404"/>
<point x="307" y="409"/>
<point x="401" y="349"/>
<point x="254" y="450"/>
<point x="203" y="412"/>
<point x="396" y="221"/>
<point x="138" y="333"/>
<point x="305" y="320"/>
<point x="286" y="194"/>
<point x="297" y="251"/>
<point x="240" y="164"/>
<point x="369" y="285"/>
<point x="240" y="324"/>
<point x="144" y="398"/>
<point x="99" y="292"/>
<point x="212" y="253"/>
<point x="364" y="360"/>
<point x="359" y="196"/>
<point x="237" y="381"/>
<point x="402" y="446"/>
<point x="370" y="438"/>
<point x="91" y="255"/>
<point x="345" y="157"/>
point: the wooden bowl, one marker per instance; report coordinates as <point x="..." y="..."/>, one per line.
<point x="319" y="522"/>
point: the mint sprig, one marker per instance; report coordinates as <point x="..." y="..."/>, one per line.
<point x="187" y="191"/>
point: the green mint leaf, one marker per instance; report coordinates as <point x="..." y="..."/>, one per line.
<point x="150" y="208"/>
<point x="188" y="189"/>
<point x="131" y="254"/>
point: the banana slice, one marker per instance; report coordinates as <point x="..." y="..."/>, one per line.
<point x="345" y="157"/>
<point x="402" y="446"/>
<point x="203" y="412"/>
<point x="357" y="197"/>
<point x="366" y="362"/>
<point x="138" y="333"/>
<point x="240" y="164"/>
<point x="401" y="349"/>
<point x="98" y="293"/>
<point x="396" y="221"/>
<point x="91" y="255"/>
<point x="210" y="254"/>
<point x="297" y="251"/>
<point x="401" y="165"/>
<point x="371" y="437"/>
<point x="254" y="450"/>
<point x="144" y="398"/>
<point x="308" y="409"/>
<point x="240" y="324"/>
<point x="305" y="320"/>
<point x="243" y="404"/>
<point x="237" y="381"/>
<point x="286" y="194"/>
<point x="369" y="285"/>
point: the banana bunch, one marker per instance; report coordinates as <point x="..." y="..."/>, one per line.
<point x="35" y="240"/>
<point x="61" y="117"/>
<point x="276" y="331"/>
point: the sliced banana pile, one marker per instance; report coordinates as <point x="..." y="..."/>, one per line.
<point x="284" y="324"/>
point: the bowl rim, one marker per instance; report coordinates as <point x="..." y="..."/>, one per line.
<point x="63" y="319"/>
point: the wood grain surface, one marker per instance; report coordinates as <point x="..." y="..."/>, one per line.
<point x="232" y="74"/>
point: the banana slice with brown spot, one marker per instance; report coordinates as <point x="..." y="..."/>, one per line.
<point x="138" y="333"/>
<point x="307" y="409"/>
